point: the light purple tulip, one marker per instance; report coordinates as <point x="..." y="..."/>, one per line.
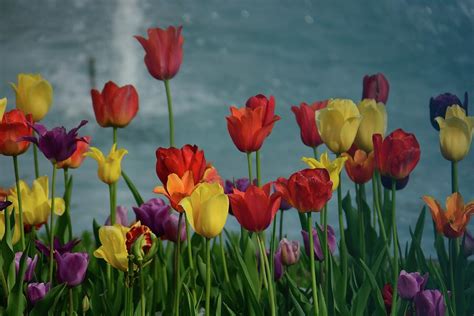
<point x="278" y="265"/>
<point x="318" y="250"/>
<point x="37" y="291"/>
<point x="409" y="284"/>
<point x="290" y="251"/>
<point x="30" y="265"/>
<point x="121" y="216"/>
<point x="429" y="302"/>
<point x="72" y="267"/>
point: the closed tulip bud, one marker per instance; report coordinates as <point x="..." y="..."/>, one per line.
<point x="30" y="265"/>
<point x="113" y="248"/>
<point x="3" y="106"/>
<point x="455" y="134"/>
<point x="338" y="123"/>
<point x="374" y="121"/>
<point x="387" y="293"/>
<point x="110" y="168"/>
<point x="318" y="250"/>
<point x="305" y="117"/>
<point x="13" y="126"/>
<point x="290" y="251"/>
<point x="409" y="284"/>
<point x="34" y="95"/>
<point x="37" y="291"/>
<point x="440" y="104"/>
<point x="72" y="267"/>
<point x="86" y="304"/>
<point x="430" y="302"/>
<point x="278" y="265"/>
<point x="376" y="87"/>
<point x="138" y="242"/>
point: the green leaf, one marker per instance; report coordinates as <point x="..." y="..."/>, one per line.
<point x="136" y="195"/>
<point x="17" y="300"/>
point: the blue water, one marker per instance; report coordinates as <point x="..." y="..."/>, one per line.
<point x="294" y="50"/>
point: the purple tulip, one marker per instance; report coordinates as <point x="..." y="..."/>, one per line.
<point x="37" y="291"/>
<point x="121" y="216"/>
<point x="30" y="265"/>
<point x="278" y="265"/>
<point x="170" y="227"/>
<point x="375" y="87"/>
<point x="440" y="104"/>
<point x="240" y="184"/>
<point x="409" y="284"/>
<point x="429" y="302"/>
<point x="468" y="248"/>
<point x="58" y="246"/>
<point x="72" y="267"/>
<point x="318" y="251"/>
<point x="400" y="184"/>
<point x="153" y="214"/>
<point x="284" y="205"/>
<point x="290" y="251"/>
<point x="4" y="205"/>
<point x="56" y="144"/>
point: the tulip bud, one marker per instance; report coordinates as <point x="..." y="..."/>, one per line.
<point x="374" y="121"/>
<point x="375" y="87"/>
<point x="72" y="267"/>
<point x="30" y="265"/>
<point x="430" y="302"/>
<point x="290" y="251"/>
<point x="318" y="250"/>
<point x="86" y="303"/>
<point x="139" y="242"/>
<point x="37" y="291"/>
<point x="409" y="284"/>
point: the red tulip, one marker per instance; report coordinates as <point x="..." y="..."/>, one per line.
<point x="359" y="166"/>
<point x="306" y="118"/>
<point x="397" y="155"/>
<point x="262" y="101"/>
<point x="178" y="161"/>
<point x="13" y="126"/>
<point x="256" y="207"/>
<point x="115" y="106"/>
<point x="164" y="51"/>
<point x="77" y="157"/>
<point x="307" y="190"/>
<point x="375" y="87"/>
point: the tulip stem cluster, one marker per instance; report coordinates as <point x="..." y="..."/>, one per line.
<point x="224" y="260"/>
<point x="343" y="239"/>
<point x="208" y="276"/>
<point x="268" y="274"/>
<point x="177" y="262"/>
<point x="20" y="207"/>
<point x="312" y="267"/>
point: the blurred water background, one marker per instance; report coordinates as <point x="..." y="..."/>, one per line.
<point x="295" y="50"/>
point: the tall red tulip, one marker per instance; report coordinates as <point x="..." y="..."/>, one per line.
<point x="261" y="100"/>
<point x="13" y="126"/>
<point x="376" y="87"/>
<point x="256" y="207"/>
<point x="397" y="155"/>
<point x="307" y="190"/>
<point x="115" y="106"/>
<point x="163" y="51"/>
<point x="305" y="117"/>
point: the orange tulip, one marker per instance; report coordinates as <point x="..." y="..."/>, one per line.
<point x="453" y="221"/>
<point x="77" y="157"/>
<point x="177" y="188"/>
<point x="360" y="166"/>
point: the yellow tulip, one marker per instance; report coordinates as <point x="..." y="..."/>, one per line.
<point x="36" y="203"/>
<point x="109" y="167"/>
<point x="16" y="229"/>
<point x="455" y="134"/>
<point x="3" y="106"/>
<point x="338" y="123"/>
<point x="333" y="167"/>
<point x="207" y="209"/>
<point x="113" y="248"/>
<point x="374" y="121"/>
<point x="34" y="95"/>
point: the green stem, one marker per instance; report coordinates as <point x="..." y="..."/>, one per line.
<point x="129" y="309"/>
<point x="269" y="276"/>
<point x="280" y="233"/>
<point x="224" y="261"/>
<point x="326" y="261"/>
<point x="208" y="277"/>
<point x="454" y="177"/>
<point x="343" y="240"/>
<point x="114" y="137"/>
<point x="68" y="203"/>
<point x="177" y="267"/>
<point x="71" y="302"/>
<point x="262" y="263"/>
<point x="378" y="210"/>
<point x="170" y="112"/>
<point x="395" y="249"/>
<point x="315" y="152"/>
<point x="272" y="247"/>
<point x="249" y="166"/>
<point x="112" y="204"/>
<point x="190" y="258"/>
<point x="4" y="286"/>
<point x="142" y="292"/>
<point x="259" y="177"/>
<point x="360" y="212"/>
<point x="35" y="158"/>
<point x="20" y="208"/>
<point x="51" y="225"/>
<point x="452" y="272"/>
<point x="311" y="259"/>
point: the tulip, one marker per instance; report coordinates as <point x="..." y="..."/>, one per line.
<point x="121" y="216"/>
<point x="451" y="222"/>
<point x="30" y="265"/>
<point x="211" y="175"/>
<point x="177" y="189"/>
<point x="248" y="127"/>
<point x="374" y="121"/>
<point x="77" y="157"/>
<point x="178" y="161"/>
<point x="56" y="144"/>
<point x="440" y="104"/>
<point x="163" y="51"/>
<point x="255" y="208"/>
<point x="37" y="291"/>
<point x="3" y="106"/>
<point x="468" y="246"/>
<point x="397" y="155"/>
<point x="16" y="234"/>
<point x="338" y="123"/>
<point x="36" y="202"/>
<point x="305" y="117"/>
<point x="115" y="106"/>
<point x="387" y="293"/>
<point x="110" y="169"/>
<point x="170" y="228"/>
<point x="290" y="251"/>
<point x="72" y="267"/>
<point x="375" y="87"/>
<point x="360" y="166"/>
<point x="409" y="284"/>
<point x="268" y="106"/>
<point x="399" y="183"/>
<point x="455" y="135"/>
<point x="34" y="95"/>
<point x="430" y="302"/>
<point x="240" y="184"/>
<point x="307" y="190"/>
<point x="153" y="213"/>
<point x="138" y="240"/>
<point x="58" y="247"/>
<point x="318" y="250"/>
<point x="113" y="249"/>
<point x="14" y="125"/>
<point x="206" y="209"/>
<point x="278" y="265"/>
<point x="333" y="167"/>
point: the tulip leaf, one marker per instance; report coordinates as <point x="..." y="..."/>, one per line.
<point x="136" y="195"/>
<point x="47" y="304"/>
<point x="17" y="300"/>
<point x="415" y="242"/>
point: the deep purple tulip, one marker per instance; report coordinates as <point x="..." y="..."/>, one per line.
<point x="56" y="144"/>
<point x="375" y="87"/>
<point x="240" y="184"/>
<point x="290" y="251"/>
<point x="440" y="104"/>
<point x="72" y="267"/>
<point x="429" y="302"/>
<point x="153" y="214"/>
<point x="4" y="205"/>
<point x="58" y="246"/>
<point x="468" y="248"/>
<point x="37" y="291"/>
<point x="121" y="216"/>
<point x="318" y="251"/>
<point x="409" y="284"/>
<point x="30" y="265"/>
<point x="170" y="227"/>
<point x="399" y="184"/>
